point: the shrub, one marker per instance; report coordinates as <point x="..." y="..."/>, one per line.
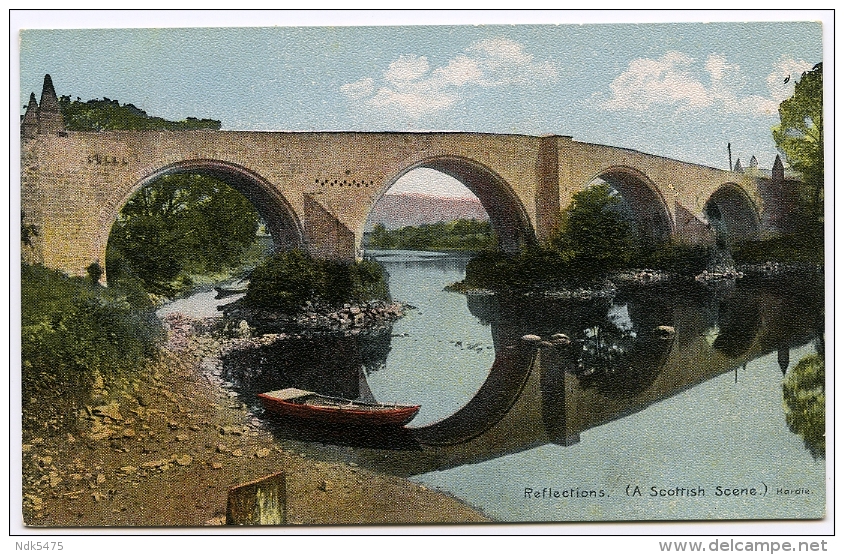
<point x="291" y="278"/>
<point x="535" y="265"/>
<point x="687" y="260"/>
<point x="71" y="332"/>
<point x="803" y="247"/>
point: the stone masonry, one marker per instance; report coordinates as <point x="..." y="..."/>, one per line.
<point x="316" y="189"/>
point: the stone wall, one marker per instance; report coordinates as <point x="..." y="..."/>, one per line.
<point x="319" y="188"/>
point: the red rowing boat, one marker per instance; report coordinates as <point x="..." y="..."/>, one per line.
<point x="298" y="403"/>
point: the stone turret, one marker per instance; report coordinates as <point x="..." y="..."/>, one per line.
<point x="738" y="167"/>
<point x="49" y="114"/>
<point x="778" y="171"/>
<point x="754" y="163"/>
<point x="29" y="123"/>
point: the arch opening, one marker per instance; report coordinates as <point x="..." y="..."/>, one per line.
<point x="732" y="216"/>
<point x="226" y="214"/>
<point x="641" y="205"/>
<point x="464" y="190"/>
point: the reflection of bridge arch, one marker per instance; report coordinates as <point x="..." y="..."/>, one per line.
<point x="731" y="206"/>
<point x="506" y="213"/>
<point x="283" y="224"/>
<point x="490" y="404"/>
<point x="739" y="324"/>
<point x="549" y="404"/>
<point x="653" y="222"/>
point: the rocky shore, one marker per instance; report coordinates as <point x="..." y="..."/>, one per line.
<point x="351" y="319"/>
<point x="163" y="448"/>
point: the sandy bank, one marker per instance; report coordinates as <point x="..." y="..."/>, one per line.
<point x="163" y="450"/>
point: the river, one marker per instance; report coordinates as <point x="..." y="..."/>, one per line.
<point x="666" y="405"/>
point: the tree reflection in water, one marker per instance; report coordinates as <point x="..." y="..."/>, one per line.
<point x="804" y="394"/>
<point x="331" y="364"/>
<point x="620" y="362"/>
<point x="623" y="348"/>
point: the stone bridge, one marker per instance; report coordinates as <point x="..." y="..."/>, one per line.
<point x="315" y="190"/>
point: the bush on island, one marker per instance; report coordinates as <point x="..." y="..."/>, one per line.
<point x="290" y="279"/>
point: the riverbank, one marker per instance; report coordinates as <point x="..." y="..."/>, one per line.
<point x="350" y="319"/>
<point x="609" y="285"/>
<point x="164" y="448"/>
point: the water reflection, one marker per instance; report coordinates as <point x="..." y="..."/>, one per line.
<point x="335" y="365"/>
<point x="624" y="354"/>
<point x="804" y="395"/>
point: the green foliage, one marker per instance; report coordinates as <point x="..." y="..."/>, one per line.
<point x="804" y="395"/>
<point x="292" y="278"/>
<point x="109" y="115"/>
<point x="594" y="232"/>
<point x="73" y="331"/>
<point x="533" y="266"/>
<point x="800" y="136"/>
<point x="806" y="247"/>
<point x="180" y="225"/>
<point x="457" y="235"/>
<point x="594" y="238"/>
<point x="686" y="260"/>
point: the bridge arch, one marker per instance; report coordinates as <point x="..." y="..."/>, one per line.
<point x="282" y="222"/>
<point x="652" y="223"/>
<point x="507" y="214"/>
<point x="732" y="214"/>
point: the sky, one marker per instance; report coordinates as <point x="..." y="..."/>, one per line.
<point x="681" y="90"/>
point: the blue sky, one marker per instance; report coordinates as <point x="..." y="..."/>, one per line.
<point x="681" y="90"/>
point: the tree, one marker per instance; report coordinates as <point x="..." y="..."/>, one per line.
<point x="180" y="224"/>
<point x="595" y="232"/>
<point x="380" y="237"/>
<point x="800" y="136"/>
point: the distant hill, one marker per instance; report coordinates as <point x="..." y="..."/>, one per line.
<point x="395" y="211"/>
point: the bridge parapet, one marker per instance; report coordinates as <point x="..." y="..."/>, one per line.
<point x="316" y="189"/>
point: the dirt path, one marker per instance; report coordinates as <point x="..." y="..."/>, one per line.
<point x="165" y="451"/>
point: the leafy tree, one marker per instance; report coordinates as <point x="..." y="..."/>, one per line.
<point x="180" y="225"/>
<point x="594" y="232"/>
<point x="380" y="238"/>
<point x="800" y="136"/>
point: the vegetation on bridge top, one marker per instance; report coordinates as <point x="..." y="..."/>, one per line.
<point x="110" y="115"/>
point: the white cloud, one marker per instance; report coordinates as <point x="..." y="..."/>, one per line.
<point x="358" y="89"/>
<point x="785" y="68"/>
<point x="407" y="69"/>
<point x="410" y="88"/>
<point x="648" y="82"/>
<point x="673" y="81"/>
<point x="505" y="62"/>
